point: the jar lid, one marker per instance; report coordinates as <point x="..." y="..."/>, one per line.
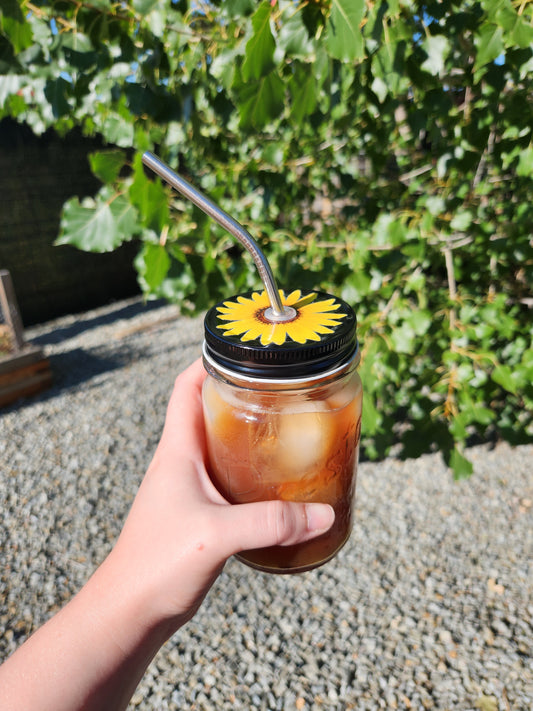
<point x="320" y="336"/>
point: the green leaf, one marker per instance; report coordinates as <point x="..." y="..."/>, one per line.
<point x="11" y="9"/>
<point x="461" y="467"/>
<point x="458" y="427"/>
<point x="388" y="231"/>
<point x="89" y="226"/>
<point x="9" y="86"/>
<point x="380" y="89"/>
<point x="156" y="264"/>
<point x="125" y="216"/>
<point x="303" y="95"/>
<point x="437" y="49"/>
<point x="420" y="321"/>
<point x="77" y="41"/>
<point x="150" y="198"/>
<point x="144" y="7"/>
<point x="178" y="282"/>
<point x="260" y="47"/>
<point x="80" y="52"/>
<point x="356" y="286"/>
<point x="57" y="92"/>
<point x="97" y="225"/>
<point x="17" y="30"/>
<point x="476" y="412"/>
<point x="525" y="163"/>
<point x="237" y="8"/>
<point x="223" y="66"/>
<point x="106" y="165"/>
<point x="343" y="32"/>
<point x="489" y="44"/>
<point x="518" y="32"/>
<point x="294" y="38"/>
<point x="461" y="221"/>
<point x="435" y="205"/>
<point x="262" y="101"/>
<point x="506" y="377"/>
<point x="403" y="338"/>
<point x="371" y="417"/>
<point x="118" y="130"/>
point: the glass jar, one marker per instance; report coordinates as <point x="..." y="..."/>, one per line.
<point x="283" y="417"/>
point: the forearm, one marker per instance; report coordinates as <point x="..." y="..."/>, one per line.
<point x="91" y="655"/>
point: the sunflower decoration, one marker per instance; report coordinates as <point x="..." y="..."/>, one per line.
<point x="314" y="317"/>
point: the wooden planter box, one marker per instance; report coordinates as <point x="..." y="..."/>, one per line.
<point x="22" y="374"/>
<point x="24" y="370"/>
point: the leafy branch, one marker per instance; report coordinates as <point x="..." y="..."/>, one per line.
<point x="375" y="151"/>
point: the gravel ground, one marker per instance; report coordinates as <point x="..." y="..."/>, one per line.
<point x="429" y="606"/>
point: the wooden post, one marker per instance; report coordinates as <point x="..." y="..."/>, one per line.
<point x="8" y="302"/>
<point x="25" y="371"/>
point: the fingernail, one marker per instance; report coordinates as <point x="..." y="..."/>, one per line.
<point x="320" y="517"/>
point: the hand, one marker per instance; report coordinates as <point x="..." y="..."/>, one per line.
<point x="180" y="530"/>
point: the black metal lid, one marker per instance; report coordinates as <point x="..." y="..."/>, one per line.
<point x="321" y="335"/>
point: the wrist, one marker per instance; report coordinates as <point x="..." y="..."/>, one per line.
<point x="125" y="606"/>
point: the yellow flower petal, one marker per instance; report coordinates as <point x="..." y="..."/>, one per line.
<point x="244" y="318"/>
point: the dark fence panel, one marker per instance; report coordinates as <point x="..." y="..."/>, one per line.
<point x="37" y="175"/>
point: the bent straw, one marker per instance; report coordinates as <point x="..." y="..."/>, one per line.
<point x="277" y="312"/>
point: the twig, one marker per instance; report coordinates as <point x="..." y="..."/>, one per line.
<point x="414" y="173"/>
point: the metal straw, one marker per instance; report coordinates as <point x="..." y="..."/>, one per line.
<point x="277" y="311"/>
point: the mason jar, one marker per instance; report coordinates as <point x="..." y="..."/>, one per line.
<point x="282" y="409"/>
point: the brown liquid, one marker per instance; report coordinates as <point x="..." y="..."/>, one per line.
<point x="305" y="452"/>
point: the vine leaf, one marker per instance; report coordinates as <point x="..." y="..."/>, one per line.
<point x="14" y="26"/>
<point x="144" y="7"/>
<point x="150" y="198"/>
<point x="461" y="467"/>
<point x="294" y="38"/>
<point x="57" y="91"/>
<point x="304" y="96"/>
<point x="106" y="165"/>
<point x="156" y="264"/>
<point x="525" y="163"/>
<point x="259" y="56"/>
<point x="261" y="101"/>
<point x="489" y="45"/>
<point x="97" y="225"/>
<point x="437" y="48"/>
<point x="344" y="37"/>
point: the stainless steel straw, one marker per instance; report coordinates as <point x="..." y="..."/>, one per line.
<point x="277" y="311"/>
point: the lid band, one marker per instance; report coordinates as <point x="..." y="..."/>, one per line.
<point x="296" y="380"/>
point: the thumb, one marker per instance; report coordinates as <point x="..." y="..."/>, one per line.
<point x="270" y="523"/>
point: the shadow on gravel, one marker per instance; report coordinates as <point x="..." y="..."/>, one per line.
<point x="60" y="334"/>
<point x="70" y="370"/>
<point x="78" y="365"/>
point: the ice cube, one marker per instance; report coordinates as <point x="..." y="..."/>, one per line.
<point x="304" y="437"/>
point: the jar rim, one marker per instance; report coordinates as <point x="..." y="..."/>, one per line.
<point x="353" y="360"/>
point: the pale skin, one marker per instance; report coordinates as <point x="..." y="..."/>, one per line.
<point x="174" y="543"/>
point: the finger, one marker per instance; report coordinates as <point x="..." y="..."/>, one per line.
<point x="184" y="426"/>
<point x="270" y="523"/>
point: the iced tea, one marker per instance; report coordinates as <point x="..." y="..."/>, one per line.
<point x="292" y="444"/>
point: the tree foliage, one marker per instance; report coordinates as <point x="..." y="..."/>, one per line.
<point x="379" y="150"/>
